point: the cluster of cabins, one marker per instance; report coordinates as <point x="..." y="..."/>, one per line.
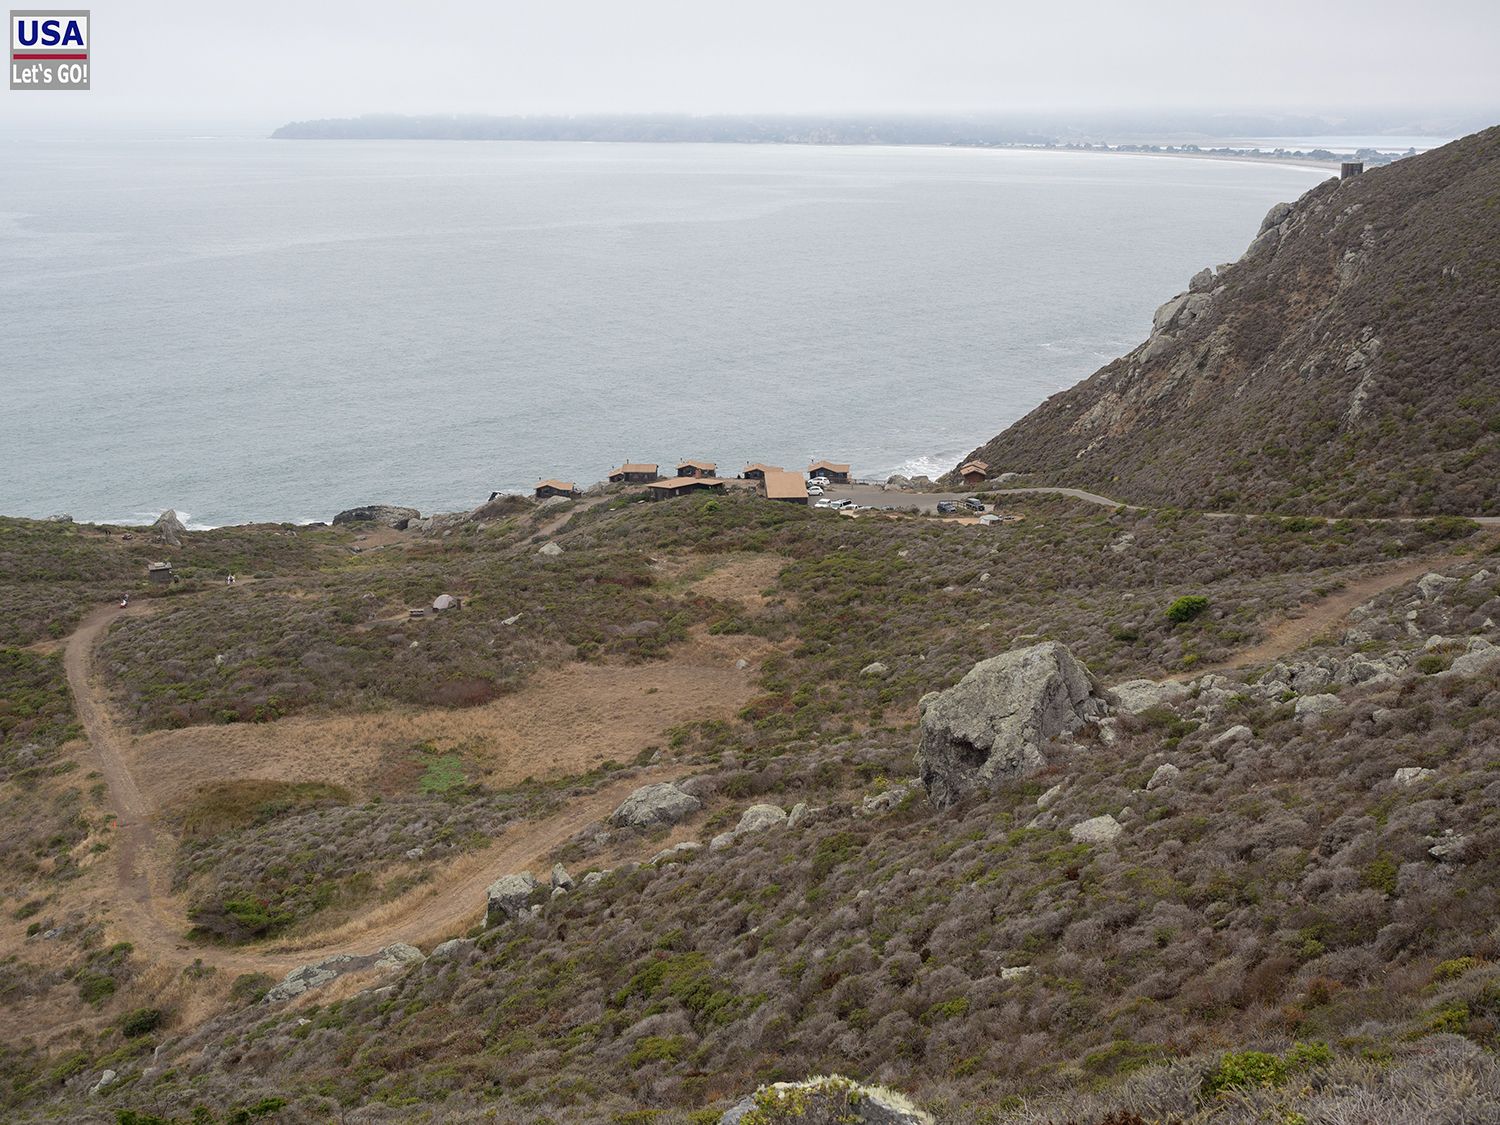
<point x="703" y="476"/>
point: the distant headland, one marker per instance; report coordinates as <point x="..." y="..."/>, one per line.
<point x="1172" y="137"/>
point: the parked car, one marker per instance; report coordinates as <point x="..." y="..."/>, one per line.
<point x="814" y="490"/>
<point x="974" y="504"/>
<point x="946" y="507"/>
<point x="821" y="482"/>
<point x="825" y="503"/>
<point x="841" y="504"/>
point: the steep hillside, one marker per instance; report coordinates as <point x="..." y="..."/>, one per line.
<point x="1347" y="364"/>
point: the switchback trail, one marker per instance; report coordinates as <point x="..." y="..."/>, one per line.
<point x="442" y="908"/>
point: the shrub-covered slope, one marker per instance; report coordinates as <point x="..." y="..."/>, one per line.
<point x="1288" y="926"/>
<point x="1346" y="364"/>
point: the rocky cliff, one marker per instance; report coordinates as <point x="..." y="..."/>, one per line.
<point x="1346" y="364"/>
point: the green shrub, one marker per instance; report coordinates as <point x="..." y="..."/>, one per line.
<point x="1240" y="1070"/>
<point x="1455" y="968"/>
<point x="1186" y="608"/>
<point x="142" y="1021"/>
<point x="657" y="1048"/>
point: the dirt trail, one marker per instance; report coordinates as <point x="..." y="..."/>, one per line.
<point x="1106" y="502"/>
<point x="1292" y="633"/>
<point x="448" y="905"/>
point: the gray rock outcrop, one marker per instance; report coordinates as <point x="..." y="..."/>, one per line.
<point x="826" y="1099"/>
<point x="319" y="973"/>
<point x="1096" y="830"/>
<point x="1134" y="696"/>
<point x="387" y="515"/>
<point x="1165" y="774"/>
<point x="757" y="818"/>
<point x="1312" y="706"/>
<point x="996" y="724"/>
<point x="1410" y="775"/>
<point x="662" y="803"/>
<point x="169" y="528"/>
<point x="508" y="897"/>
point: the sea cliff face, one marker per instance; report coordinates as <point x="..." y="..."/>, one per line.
<point x="1346" y="364"/>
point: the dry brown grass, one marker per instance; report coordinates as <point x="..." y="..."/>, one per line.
<point x="564" y="721"/>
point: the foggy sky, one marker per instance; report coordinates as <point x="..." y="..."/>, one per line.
<point x="275" y="60"/>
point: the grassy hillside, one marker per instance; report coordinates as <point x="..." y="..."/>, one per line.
<point x="1345" y="365"/>
<point x="1281" y="898"/>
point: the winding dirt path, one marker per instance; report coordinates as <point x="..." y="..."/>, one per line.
<point x="1292" y="633"/>
<point x="448" y="905"/>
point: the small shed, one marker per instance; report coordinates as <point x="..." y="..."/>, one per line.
<point x="974" y="472"/>
<point x="758" y="471"/>
<point x="681" y="486"/>
<point x="697" y="469"/>
<point x="159" y="573"/>
<point x="634" y="473"/>
<point x="838" y="474"/>
<point x="789" y="488"/>
<point x="1351" y="168"/>
<point x="549" y="488"/>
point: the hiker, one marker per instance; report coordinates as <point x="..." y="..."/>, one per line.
<point x="125" y="601"/>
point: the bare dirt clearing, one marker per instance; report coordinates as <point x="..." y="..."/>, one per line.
<point x="564" y="721"/>
<point x="741" y="578"/>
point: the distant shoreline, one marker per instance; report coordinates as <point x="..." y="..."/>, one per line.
<point x="863" y="131"/>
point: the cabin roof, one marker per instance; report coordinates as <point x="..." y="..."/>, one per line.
<point x="785" y="486"/>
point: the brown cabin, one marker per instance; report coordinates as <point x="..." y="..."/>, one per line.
<point x="681" y="486"/>
<point x="838" y="474"/>
<point x="697" y="469"/>
<point x="631" y="473"/>
<point x="549" y="488"/>
<point x="758" y="471"/>
<point x="974" y="472"/>
<point x="159" y="573"/>
<point x="789" y="488"/>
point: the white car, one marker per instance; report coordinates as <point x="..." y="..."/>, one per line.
<point x="821" y="482"/>
<point x="842" y="504"/>
<point x="814" y="490"/>
<point x="822" y="503"/>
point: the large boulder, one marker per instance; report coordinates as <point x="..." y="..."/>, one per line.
<point x="386" y="514"/>
<point x="169" y="528"/>
<point x="508" y="897"/>
<point x="825" y="1099"/>
<point x="996" y="723"/>
<point x="662" y="803"/>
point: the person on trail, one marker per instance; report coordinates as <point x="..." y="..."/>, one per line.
<point x="125" y="601"/>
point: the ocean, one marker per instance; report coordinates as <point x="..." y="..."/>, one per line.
<point x="247" y="329"/>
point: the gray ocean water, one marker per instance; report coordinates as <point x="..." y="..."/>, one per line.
<point x="248" y="330"/>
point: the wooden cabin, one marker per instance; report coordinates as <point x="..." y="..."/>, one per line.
<point x="549" y="488"/>
<point x="632" y="473"/>
<point x="758" y="471"/>
<point x="697" y="469"/>
<point x="159" y="573"/>
<point x="789" y="488"/>
<point x="681" y="486"/>
<point x="974" y="473"/>
<point x="836" y="473"/>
